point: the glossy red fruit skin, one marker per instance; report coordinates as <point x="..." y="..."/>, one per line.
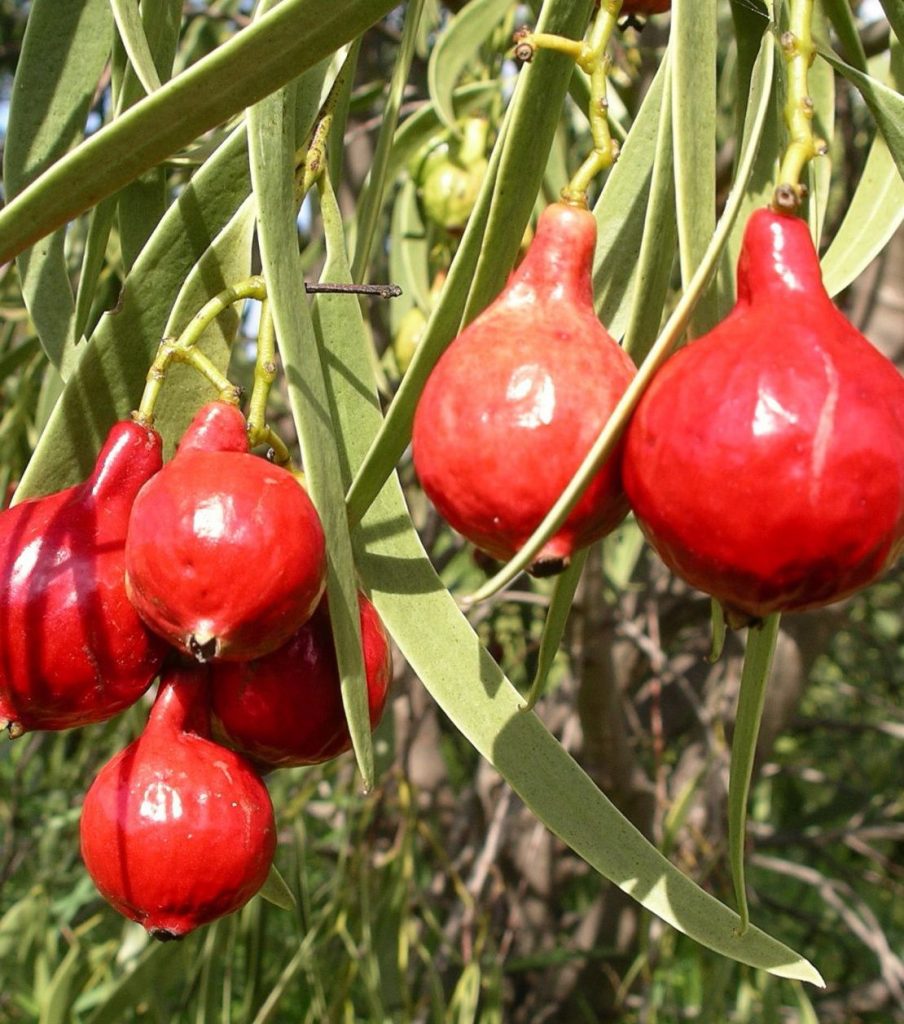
<point x="519" y="397"/>
<point x="766" y="461"/>
<point x="285" y="709"/>
<point x="225" y="556"/>
<point x="646" y="7"/>
<point x="176" y="830"/>
<point x="72" y="648"/>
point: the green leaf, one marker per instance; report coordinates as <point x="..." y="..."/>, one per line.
<point x="408" y="255"/>
<point x="446" y="655"/>
<point x="659" y="242"/>
<point x="371" y="201"/>
<point x="554" y="627"/>
<point x="875" y="213"/>
<point x="276" y="891"/>
<point x="692" y="48"/>
<point x="142" y="203"/>
<point x="132" y="988"/>
<point x="457" y="45"/>
<point x="59" y="995"/>
<point x="821" y="81"/>
<point x="51" y="96"/>
<point x="258" y="60"/>
<point x="621" y="208"/>
<point x="841" y="15"/>
<point x="271" y="126"/>
<point x="111" y="374"/>
<point x="131" y="32"/>
<point x="751" y="698"/>
<point x="885" y="104"/>
<point x="894" y="11"/>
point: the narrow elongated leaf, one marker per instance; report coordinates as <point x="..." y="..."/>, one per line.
<point x="111" y="375"/>
<point x="692" y="52"/>
<point x="133" y="986"/>
<point x="554" y="627"/>
<point x="51" y="96"/>
<point x="271" y="126"/>
<point x="621" y="209"/>
<point x="447" y="656"/>
<point x="456" y="47"/>
<point x="61" y="990"/>
<point x="408" y="254"/>
<point x="276" y="891"/>
<point x="259" y="59"/>
<point x="135" y="43"/>
<point x="885" y="104"/>
<point x="142" y="203"/>
<point x="894" y="11"/>
<point x="371" y="201"/>
<point x="875" y="212"/>
<point x="841" y="15"/>
<point x="654" y="263"/>
<point x="751" y="698"/>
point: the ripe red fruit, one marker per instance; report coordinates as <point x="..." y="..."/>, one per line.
<point x="176" y="830"/>
<point x="766" y="461"/>
<point x="225" y="555"/>
<point x="286" y="708"/>
<point x="518" y="399"/>
<point x="72" y="648"/>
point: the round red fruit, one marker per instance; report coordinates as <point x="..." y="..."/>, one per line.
<point x="766" y="461"/>
<point x="286" y="708"/>
<point x="225" y="555"/>
<point x="177" y="831"/>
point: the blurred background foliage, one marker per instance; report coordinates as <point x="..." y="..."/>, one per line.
<point x="437" y="897"/>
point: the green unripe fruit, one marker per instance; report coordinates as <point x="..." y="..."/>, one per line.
<point x="408" y="336"/>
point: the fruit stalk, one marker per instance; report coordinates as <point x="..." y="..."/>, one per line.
<point x="799" y="51"/>
<point x="183" y="349"/>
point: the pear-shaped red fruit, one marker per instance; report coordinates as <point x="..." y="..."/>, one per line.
<point x="766" y="461"/>
<point x="72" y="648"/>
<point x="225" y="556"/>
<point x="517" y="400"/>
<point x="286" y="709"/>
<point x="176" y="830"/>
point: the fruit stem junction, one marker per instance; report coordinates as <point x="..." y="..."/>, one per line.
<point x="184" y="348"/>
<point x="799" y="52"/>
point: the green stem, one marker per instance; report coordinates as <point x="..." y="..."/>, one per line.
<point x="183" y="349"/>
<point x="590" y="57"/>
<point x="799" y="52"/>
<point x="265" y="367"/>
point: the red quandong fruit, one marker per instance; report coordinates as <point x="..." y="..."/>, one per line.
<point x="766" y="460"/>
<point x="225" y="555"/>
<point x="73" y="650"/>
<point x="517" y="400"/>
<point x="285" y="709"/>
<point x="176" y="830"/>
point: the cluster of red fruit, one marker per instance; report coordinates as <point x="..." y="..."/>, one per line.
<point x="765" y="462"/>
<point x="209" y="572"/>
